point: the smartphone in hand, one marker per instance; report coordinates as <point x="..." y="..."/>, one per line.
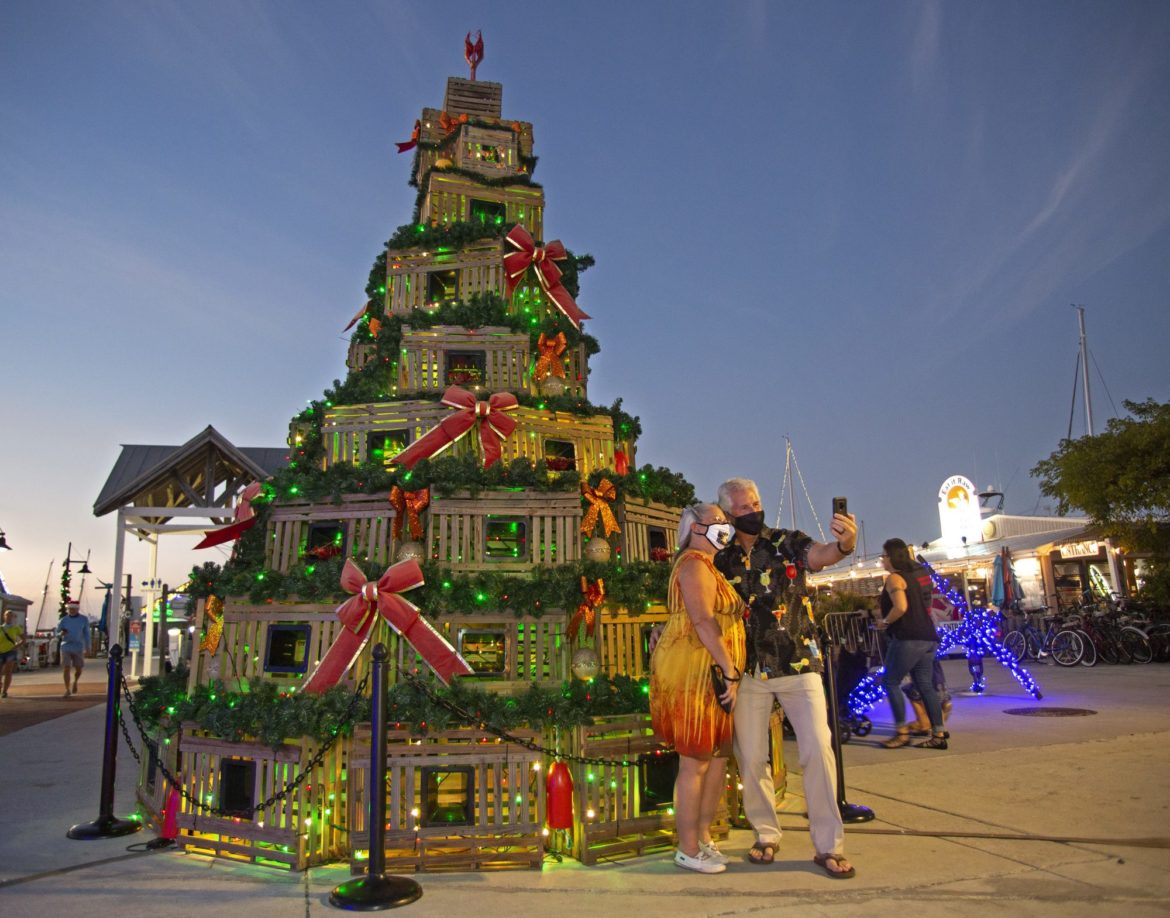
<point x="840" y="505"/>
<point x="719" y="684"/>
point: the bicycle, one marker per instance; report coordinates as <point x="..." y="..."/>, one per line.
<point x="1061" y="645"/>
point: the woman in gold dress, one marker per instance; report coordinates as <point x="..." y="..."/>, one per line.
<point x="705" y="627"/>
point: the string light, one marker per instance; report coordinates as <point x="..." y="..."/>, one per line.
<point x="978" y="632"/>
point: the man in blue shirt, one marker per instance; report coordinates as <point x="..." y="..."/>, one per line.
<point x="74" y="630"/>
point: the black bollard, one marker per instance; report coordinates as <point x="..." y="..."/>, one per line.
<point x="107" y="825"/>
<point x="376" y="891"/>
<point x="850" y="812"/>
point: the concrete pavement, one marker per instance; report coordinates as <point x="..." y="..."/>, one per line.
<point x="1036" y="815"/>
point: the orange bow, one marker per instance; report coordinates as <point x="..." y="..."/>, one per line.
<point x="214" y="632"/>
<point x="410" y="503"/>
<point x="449" y="124"/>
<point x="598" y="499"/>
<point x="550" y="349"/>
<point x="374" y="598"/>
<point x="594" y="596"/>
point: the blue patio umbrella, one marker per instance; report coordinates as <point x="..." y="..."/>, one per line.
<point x="998" y="593"/>
<point x="1005" y="588"/>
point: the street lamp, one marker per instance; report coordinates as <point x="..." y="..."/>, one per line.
<point x="67" y="575"/>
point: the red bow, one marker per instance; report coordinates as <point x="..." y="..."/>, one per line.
<point x="494" y="425"/>
<point x="410" y="504"/>
<point x="413" y="142"/>
<point x="587" y="611"/>
<point x="527" y="253"/>
<point x="245" y="518"/>
<point x="361" y="312"/>
<point x="358" y="614"/>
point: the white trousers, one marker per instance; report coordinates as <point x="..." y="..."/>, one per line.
<point x="803" y="700"/>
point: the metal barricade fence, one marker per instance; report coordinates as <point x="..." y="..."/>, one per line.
<point x="852" y="632"/>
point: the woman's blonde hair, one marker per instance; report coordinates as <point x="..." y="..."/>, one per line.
<point x="689" y="516"/>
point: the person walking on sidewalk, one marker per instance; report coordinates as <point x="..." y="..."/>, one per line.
<point x="905" y="605"/>
<point x="11" y="640"/>
<point x="74" y="629"/>
<point x="767" y="568"/>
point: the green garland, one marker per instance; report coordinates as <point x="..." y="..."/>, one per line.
<point x="268" y="712"/>
<point x="455" y="235"/>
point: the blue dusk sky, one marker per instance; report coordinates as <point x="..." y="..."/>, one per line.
<point x="861" y="226"/>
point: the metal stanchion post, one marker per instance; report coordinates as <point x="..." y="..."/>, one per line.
<point x="107" y="825"/>
<point x="850" y="812"/>
<point x="376" y="891"/>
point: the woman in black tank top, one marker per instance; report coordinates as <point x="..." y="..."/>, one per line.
<point x="905" y="613"/>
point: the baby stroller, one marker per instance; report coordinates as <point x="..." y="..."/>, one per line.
<point x="855" y="642"/>
<point x="849" y="635"/>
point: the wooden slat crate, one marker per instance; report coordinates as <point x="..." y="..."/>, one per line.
<point x="367" y="520"/>
<point x="491" y="816"/>
<point x="304" y="828"/>
<point x="347" y="430"/>
<point x="451" y="198"/>
<point x="458" y="529"/>
<point x="425" y="360"/>
<point x="621" y="638"/>
<point x="646" y="525"/>
<point x="359" y="354"/>
<point x="490" y="151"/>
<point x="533" y="649"/>
<point x="481" y="98"/>
<point x="478" y="267"/>
<point x="614" y="813"/>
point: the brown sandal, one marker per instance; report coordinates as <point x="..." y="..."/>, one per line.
<point x="822" y="861"/>
<point x="761" y="853"/>
<point x="898" y="740"/>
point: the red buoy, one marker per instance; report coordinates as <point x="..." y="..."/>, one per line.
<point x="560" y="796"/>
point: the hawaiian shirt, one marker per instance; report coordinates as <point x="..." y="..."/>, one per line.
<point x="781" y="635"/>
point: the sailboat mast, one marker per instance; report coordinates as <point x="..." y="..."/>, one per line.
<point x="44" y="595"/>
<point x="1085" y="371"/>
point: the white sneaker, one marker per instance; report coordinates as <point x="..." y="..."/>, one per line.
<point x="713" y="852"/>
<point x="702" y="863"/>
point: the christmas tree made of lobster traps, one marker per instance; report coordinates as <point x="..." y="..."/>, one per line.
<point x="461" y="448"/>
<point x="458" y="498"/>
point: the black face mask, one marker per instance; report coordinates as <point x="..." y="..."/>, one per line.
<point x="750" y="523"/>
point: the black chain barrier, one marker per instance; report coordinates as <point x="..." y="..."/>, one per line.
<point x="278" y="795"/>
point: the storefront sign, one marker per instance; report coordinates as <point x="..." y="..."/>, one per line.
<point x="958" y="512"/>
<point x="1080" y="550"/>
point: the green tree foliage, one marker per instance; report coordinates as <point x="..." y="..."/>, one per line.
<point x="1121" y="479"/>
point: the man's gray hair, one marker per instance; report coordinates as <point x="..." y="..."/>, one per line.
<point x="731" y="486"/>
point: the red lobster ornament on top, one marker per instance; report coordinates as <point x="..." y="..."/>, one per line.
<point x="473" y="52"/>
